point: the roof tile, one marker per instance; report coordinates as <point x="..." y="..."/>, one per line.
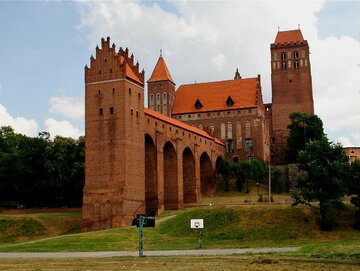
<point x="161" y="72"/>
<point x="181" y="124"/>
<point x="213" y="95"/>
<point x="289" y="36"/>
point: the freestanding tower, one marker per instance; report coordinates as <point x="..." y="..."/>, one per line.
<point x="291" y="86"/>
<point x="161" y="89"/>
<point x="115" y="169"/>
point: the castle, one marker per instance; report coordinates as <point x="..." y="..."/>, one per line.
<point x="146" y="160"/>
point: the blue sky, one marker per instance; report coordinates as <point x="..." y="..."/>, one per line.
<point x="46" y="44"/>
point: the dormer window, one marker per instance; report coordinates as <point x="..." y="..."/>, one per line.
<point x="198" y="104"/>
<point x="230" y="101"/>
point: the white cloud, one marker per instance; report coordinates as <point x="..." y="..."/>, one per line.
<point x="208" y="41"/>
<point x="61" y="128"/>
<point x="72" y="107"/>
<point x="345" y="142"/>
<point x="20" y="125"/>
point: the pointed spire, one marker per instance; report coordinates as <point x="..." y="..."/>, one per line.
<point x="161" y="72"/>
<point x="237" y="74"/>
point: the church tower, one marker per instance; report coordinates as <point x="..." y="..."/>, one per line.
<point x="291" y="86"/>
<point x="161" y="89"/>
<point x="114" y="190"/>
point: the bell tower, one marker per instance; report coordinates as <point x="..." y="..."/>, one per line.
<point x="161" y="89"/>
<point x="114" y="190"/>
<point x="291" y="86"/>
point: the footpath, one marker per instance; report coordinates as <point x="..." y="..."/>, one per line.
<point x="104" y="254"/>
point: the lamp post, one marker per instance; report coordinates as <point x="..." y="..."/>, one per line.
<point x="269" y="177"/>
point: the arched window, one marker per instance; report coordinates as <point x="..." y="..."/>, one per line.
<point x="229" y="130"/>
<point x="247" y="125"/>
<point x="152" y="101"/>
<point x="222" y="130"/>
<point x="158" y="106"/>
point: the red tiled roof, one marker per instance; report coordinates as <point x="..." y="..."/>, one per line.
<point x="288" y="36"/>
<point x="213" y="96"/>
<point x="181" y="124"/>
<point x="161" y="72"/>
<point x="129" y="72"/>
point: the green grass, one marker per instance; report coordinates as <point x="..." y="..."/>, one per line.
<point x="225" y="227"/>
<point x="15" y="228"/>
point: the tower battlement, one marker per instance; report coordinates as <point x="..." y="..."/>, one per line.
<point x="109" y="65"/>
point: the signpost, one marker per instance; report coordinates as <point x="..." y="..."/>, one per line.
<point x="198" y="224"/>
<point x="142" y="221"/>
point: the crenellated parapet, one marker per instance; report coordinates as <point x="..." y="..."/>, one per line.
<point x="110" y="65"/>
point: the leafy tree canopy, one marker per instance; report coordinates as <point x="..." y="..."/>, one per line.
<point x="326" y="167"/>
<point x="302" y="129"/>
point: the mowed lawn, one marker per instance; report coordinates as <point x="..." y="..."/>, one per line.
<point x="240" y="226"/>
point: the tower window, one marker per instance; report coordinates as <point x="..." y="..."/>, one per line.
<point x="100" y="111"/>
<point x="99" y="71"/>
<point x="283" y="55"/>
<point x="296" y="64"/>
<point x="99" y="91"/>
<point x="113" y="90"/>
<point x="111" y="110"/>
<point x="296" y="55"/>
<point x="129" y="90"/>
<point x="110" y="70"/>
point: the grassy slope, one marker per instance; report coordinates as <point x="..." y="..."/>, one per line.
<point x="225" y="227"/>
<point x="16" y="228"/>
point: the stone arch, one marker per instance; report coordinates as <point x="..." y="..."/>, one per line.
<point x="171" y="198"/>
<point x="207" y="176"/>
<point x="151" y="186"/>
<point x="189" y="180"/>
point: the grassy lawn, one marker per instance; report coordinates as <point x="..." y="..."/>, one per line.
<point x="225" y="227"/>
<point x="239" y="226"/>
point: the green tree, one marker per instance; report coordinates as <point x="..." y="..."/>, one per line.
<point x="65" y="165"/>
<point x="354" y="189"/>
<point x="302" y="129"/>
<point x="326" y="167"/>
<point x="226" y="171"/>
<point x="246" y="171"/>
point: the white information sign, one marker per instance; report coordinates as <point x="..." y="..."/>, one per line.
<point x="197" y="223"/>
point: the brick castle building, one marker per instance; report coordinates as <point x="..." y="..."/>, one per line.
<point x="146" y="160"/>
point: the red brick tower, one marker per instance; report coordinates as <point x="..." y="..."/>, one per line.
<point x="291" y="86"/>
<point x="114" y="150"/>
<point x="161" y="89"/>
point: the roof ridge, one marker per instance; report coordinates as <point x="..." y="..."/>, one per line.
<point x="220" y="81"/>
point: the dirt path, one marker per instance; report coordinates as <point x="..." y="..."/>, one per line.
<point x="103" y="254"/>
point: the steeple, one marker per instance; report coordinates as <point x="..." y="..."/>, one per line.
<point x="237" y="74"/>
<point x="161" y="72"/>
<point x="161" y="88"/>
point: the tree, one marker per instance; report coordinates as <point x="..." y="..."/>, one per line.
<point x="246" y="171"/>
<point x="226" y="171"/>
<point x="354" y="189"/>
<point x="326" y="167"/>
<point x="302" y="129"/>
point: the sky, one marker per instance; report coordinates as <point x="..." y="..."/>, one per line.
<point x="46" y="44"/>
